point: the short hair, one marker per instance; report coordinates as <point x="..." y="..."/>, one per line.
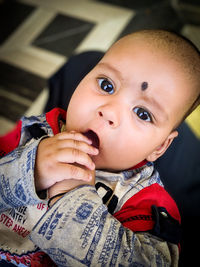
<point x="180" y="49"/>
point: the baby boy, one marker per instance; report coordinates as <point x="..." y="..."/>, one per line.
<point x="122" y="117"/>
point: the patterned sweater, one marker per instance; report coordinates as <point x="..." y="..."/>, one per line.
<point x="127" y="219"/>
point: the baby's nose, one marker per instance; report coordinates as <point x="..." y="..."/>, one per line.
<point x="109" y="121"/>
<point x="110" y="116"/>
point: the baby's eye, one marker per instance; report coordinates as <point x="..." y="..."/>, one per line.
<point x="106" y="85"/>
<point x="143" y="114"/>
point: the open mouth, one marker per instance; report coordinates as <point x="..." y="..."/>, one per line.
<point x="93" y="137"/>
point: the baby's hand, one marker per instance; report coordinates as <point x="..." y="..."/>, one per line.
<point x="69" y="184"/>
<point x="61" y="157"/>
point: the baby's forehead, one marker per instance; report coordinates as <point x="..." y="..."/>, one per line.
<point x="132" y="45"/>
<point x="174" y="50"/>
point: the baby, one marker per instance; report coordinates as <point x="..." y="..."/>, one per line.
<point x="122" y="117"/>
<point x="151" y="78"/>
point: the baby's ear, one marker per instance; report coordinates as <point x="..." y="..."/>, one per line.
<point x="162" y="148"/>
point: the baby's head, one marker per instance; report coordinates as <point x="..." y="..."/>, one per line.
<point x="136" y="96"/>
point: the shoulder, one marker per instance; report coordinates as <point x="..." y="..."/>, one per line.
<point x="152" y="209"/>
<point x="33" y="127"/>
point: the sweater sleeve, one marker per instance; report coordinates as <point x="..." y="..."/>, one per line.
<point x="78" y="230"/>
<point x="18" y="152"/>
<point x="17" y="186"/>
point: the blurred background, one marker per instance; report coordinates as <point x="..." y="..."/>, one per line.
<point x="37" y="37"/>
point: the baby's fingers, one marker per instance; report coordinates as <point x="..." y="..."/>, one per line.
<point x="75" y="136"/>
<point x="79" y="145"/>
<point x="71" y="155"/>
<point x="70" y="171"/>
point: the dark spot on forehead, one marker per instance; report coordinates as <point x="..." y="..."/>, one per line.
<point x="144" y="86"/>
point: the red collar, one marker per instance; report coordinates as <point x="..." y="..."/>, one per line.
<point x="139" y="165"/>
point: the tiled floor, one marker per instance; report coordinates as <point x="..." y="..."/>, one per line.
<point x="37" y="38"/>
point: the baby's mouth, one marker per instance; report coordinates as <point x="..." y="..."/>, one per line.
<point x="93" y="137"/>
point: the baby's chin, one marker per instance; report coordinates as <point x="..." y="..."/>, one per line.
<point x="108" y="165"/>
<point x="116" y="166"/>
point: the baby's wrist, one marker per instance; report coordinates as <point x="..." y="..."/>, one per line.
<point x="54" y="198"/>
<point x="53" y="191"/>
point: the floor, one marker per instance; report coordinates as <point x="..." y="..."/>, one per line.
<point x="37" y="38"/>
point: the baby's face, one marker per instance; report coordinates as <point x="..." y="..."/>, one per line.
<point x="131" y="100"/>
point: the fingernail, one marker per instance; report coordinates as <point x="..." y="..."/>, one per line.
<point x="92" y="166"/>
<point x="89" y="141"/>
<point x="96" y="151"/>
